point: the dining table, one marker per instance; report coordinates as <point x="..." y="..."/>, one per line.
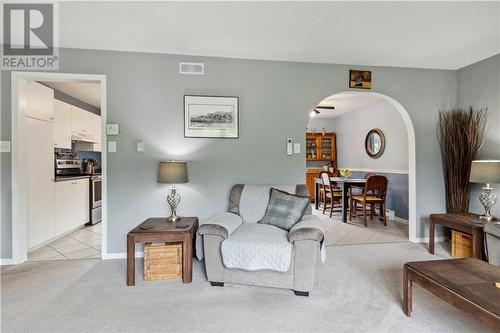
<point x="344" y="184"/>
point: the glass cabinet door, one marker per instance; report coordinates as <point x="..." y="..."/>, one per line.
<point x="311" y="148"/>
<point x="326" y="148"/>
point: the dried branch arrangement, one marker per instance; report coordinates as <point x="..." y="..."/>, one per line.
<point x="460" y="135"/>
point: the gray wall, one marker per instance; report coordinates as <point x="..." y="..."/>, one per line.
<point x="352" y="127"/>
<point x="144" y="93"/>
<point x="479" y="86"/>
<point x="317" y="124"/>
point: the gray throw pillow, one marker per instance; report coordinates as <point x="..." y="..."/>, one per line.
<point x="284" y="209"/>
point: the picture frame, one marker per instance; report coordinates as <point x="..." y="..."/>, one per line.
<point x="211" y="117"/>
<point x="360" y="79"/>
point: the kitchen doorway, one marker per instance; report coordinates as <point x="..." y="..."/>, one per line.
<point x="69" y="152"/>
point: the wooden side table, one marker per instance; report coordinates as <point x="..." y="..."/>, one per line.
<point x="463" y="222"/>
<point x="160" y="230"/>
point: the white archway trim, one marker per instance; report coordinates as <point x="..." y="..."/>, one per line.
<point x="19" y="188"/>
<point x="412" y="167"/>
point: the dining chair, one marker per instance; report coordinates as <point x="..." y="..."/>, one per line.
<point x="373" y="194"/>
<point x="359" y="188"/>
<point x="369" y="174"/>
<point x="329" y="193"/>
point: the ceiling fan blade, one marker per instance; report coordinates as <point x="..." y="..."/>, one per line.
<point x="325" y="107"/>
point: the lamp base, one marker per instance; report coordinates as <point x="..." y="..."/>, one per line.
<point x="487" y="218"/>
<point x="487" y="199"/>
<point x="173" y="218"/>
<point x="173" y="200"/>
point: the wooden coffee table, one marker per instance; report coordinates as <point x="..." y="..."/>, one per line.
<point x="160" y="230"/>
<point x="468" y="284"/>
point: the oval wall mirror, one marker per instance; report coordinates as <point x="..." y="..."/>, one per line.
<point x="375" y="143"/>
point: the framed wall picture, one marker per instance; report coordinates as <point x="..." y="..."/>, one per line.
<point x="211" y="117"/>
<point x="360" y="79"/>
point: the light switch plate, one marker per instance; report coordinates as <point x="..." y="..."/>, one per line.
<point x="112" y="129"/>
<point x="289" y="146"/>
<point x="296" y="148"/>
<point x="140" y="146"/>
<point x="111" y="146"/>
<point x="5" y="146"/>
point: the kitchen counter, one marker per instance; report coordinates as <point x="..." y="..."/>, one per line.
<point x="64" y="178"/>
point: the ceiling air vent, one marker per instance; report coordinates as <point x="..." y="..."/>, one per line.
<point x="192" y="68"/>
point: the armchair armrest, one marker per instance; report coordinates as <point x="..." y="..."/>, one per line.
<point x="222" y="225"/>
<point x="492" y="228"/>
<point x="308" y="229"/>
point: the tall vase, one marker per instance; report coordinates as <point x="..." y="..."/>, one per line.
<point x="460" y="135"/>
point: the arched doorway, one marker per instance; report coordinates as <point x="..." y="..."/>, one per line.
<point x="337" y="98"/>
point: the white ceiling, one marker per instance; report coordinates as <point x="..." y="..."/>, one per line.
<point x="88" y="91"/>
<point x="346" y="102"/>
<point x="445" y="35"/>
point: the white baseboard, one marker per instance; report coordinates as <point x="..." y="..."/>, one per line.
<point x="400" y="220"/>
<point x="5" y="262"/>
<point x="436" y="239"/>
<point x="122" y="255"/>
<point x="390" y="212"/>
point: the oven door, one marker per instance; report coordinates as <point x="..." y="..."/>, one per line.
<point x="96" y="192"/>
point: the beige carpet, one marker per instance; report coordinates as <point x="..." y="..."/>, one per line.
<point x="357" y="290"/>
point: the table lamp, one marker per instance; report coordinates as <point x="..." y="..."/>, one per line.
<point x="173" y="172"/>
<point x="486" y="172"/>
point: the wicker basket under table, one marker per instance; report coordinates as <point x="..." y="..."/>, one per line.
<point x="162" y="261"/>
<point x="461" y="245"/>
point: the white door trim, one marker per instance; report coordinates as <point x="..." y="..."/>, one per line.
<point x="412" y="167"/>
<point x="19" y="221"/>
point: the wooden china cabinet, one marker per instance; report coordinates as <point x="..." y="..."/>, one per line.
<point x="320" y="147"/>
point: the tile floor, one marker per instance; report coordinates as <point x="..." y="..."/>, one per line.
<point x="80" y="244"/>
<point x="339" y="233"/>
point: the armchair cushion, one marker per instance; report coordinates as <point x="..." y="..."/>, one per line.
<point x="222" y="225"/>
<point x="492" y="240"/>
<point x="492" y="228"/>
<point x="255" y="246"/>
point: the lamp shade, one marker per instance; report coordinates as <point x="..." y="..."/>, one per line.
<point x="172" y="172"/>
<point x="485" y="172"/>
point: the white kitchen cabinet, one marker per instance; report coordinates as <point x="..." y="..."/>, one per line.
<point x="82" y="125"/>
<point x="39" y="101"/>
<point x="62" y="124"/>
<point x="39" y="159"/>
<point x="97" y="133"/>
<point x="96" y="145"/>
<point x="72" y="204"/>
